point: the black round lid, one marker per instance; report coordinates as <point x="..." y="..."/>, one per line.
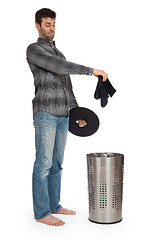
<point x="85" y="114"/>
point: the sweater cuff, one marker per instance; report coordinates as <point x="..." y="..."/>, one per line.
<point x="85" y="70"/>
<point x="90" y="71"/>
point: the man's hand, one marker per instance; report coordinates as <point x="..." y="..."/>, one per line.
<point x="96" y="73"/>
<point x="82" y="123"/>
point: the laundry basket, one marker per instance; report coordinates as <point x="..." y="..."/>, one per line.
<point x="105" y="186"/>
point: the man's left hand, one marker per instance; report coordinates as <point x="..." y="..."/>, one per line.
<point x="82" y="123"/>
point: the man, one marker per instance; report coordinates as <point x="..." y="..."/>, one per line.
<point x="54" y="98"/>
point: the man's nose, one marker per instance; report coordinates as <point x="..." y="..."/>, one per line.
<point x="52" y="28"/>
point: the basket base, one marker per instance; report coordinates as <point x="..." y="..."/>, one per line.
<point x="105" y="222"/>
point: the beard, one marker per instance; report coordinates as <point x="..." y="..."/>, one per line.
<point x="46" y="36"/>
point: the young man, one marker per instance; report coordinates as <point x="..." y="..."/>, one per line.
<point x="54" y="98"/>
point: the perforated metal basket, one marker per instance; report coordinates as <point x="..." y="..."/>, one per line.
<point x="105" y="186"/>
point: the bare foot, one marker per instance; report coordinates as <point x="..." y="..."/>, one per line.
<point x="51" y="220"/>
<point x="65" y="211"/>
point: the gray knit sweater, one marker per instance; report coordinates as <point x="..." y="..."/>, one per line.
<point x="53" y="88"/>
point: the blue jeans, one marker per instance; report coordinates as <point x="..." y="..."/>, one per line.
<point x="50" y="140"/>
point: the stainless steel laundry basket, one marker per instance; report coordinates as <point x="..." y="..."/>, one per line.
<point x="105" y="186"/>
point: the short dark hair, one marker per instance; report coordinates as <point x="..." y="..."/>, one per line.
<point x="44" y="13"/>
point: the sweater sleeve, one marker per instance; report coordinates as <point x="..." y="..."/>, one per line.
<point x="39" y="56"/>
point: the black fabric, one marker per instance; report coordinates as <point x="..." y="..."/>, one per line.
<point x="85" y="114"/>
<point x="103" y="91"/>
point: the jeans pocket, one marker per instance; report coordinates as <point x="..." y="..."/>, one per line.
<point x="37" y="117"/>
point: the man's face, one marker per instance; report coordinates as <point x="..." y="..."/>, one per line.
<point x="47" y="28"/>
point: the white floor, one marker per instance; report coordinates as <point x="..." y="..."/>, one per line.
<point x="22" y="226"/>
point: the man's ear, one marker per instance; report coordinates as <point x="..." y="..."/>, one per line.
<point x="37" y="25"/>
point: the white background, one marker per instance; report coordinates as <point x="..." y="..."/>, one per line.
<point x="111" y="35"/>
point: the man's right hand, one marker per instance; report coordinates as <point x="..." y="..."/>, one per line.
<point x="96" y="73"/>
